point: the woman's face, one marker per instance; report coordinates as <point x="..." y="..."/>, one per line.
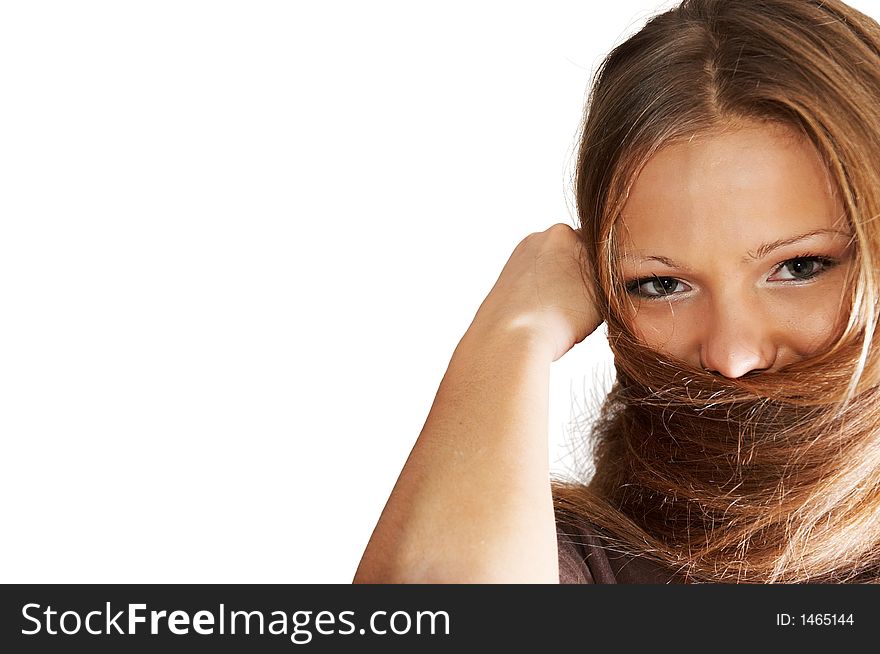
<point x="735" y="251"/>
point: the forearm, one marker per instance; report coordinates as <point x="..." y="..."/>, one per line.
<point x="473" y="501"/>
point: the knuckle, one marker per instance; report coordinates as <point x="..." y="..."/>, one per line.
<point x="561" y="228"/>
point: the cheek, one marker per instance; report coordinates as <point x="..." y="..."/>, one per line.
<point x="665" y="328"/>
<point x="813" y="325"/>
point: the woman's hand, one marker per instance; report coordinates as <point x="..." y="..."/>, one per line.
<point x="542" y="290"/>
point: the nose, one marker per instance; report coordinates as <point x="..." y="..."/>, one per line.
<point x="738" y="340"/>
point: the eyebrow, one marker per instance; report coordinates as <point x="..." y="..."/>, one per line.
<point x="762" y="251"/>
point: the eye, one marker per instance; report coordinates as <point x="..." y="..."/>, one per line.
<point x="654" y="287"/>
<point x="806" y="267"/>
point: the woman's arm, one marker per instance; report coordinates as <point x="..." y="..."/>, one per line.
<point x="473" y="502"/>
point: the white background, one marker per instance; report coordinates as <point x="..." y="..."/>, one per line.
<point x="239" y="242"/>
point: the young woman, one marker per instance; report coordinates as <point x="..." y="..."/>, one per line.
<point x="729" y="236"/>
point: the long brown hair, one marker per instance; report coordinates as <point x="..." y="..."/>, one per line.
<point x="770" y="477"/>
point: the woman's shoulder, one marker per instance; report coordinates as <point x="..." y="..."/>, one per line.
<point x="586" y="557"/>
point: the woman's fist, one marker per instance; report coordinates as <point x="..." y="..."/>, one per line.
<point x="541" y="289"/>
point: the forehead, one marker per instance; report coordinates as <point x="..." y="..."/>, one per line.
<point x="732" y="188"/>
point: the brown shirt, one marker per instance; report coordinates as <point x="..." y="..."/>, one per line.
<point x="585" y="558"/>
